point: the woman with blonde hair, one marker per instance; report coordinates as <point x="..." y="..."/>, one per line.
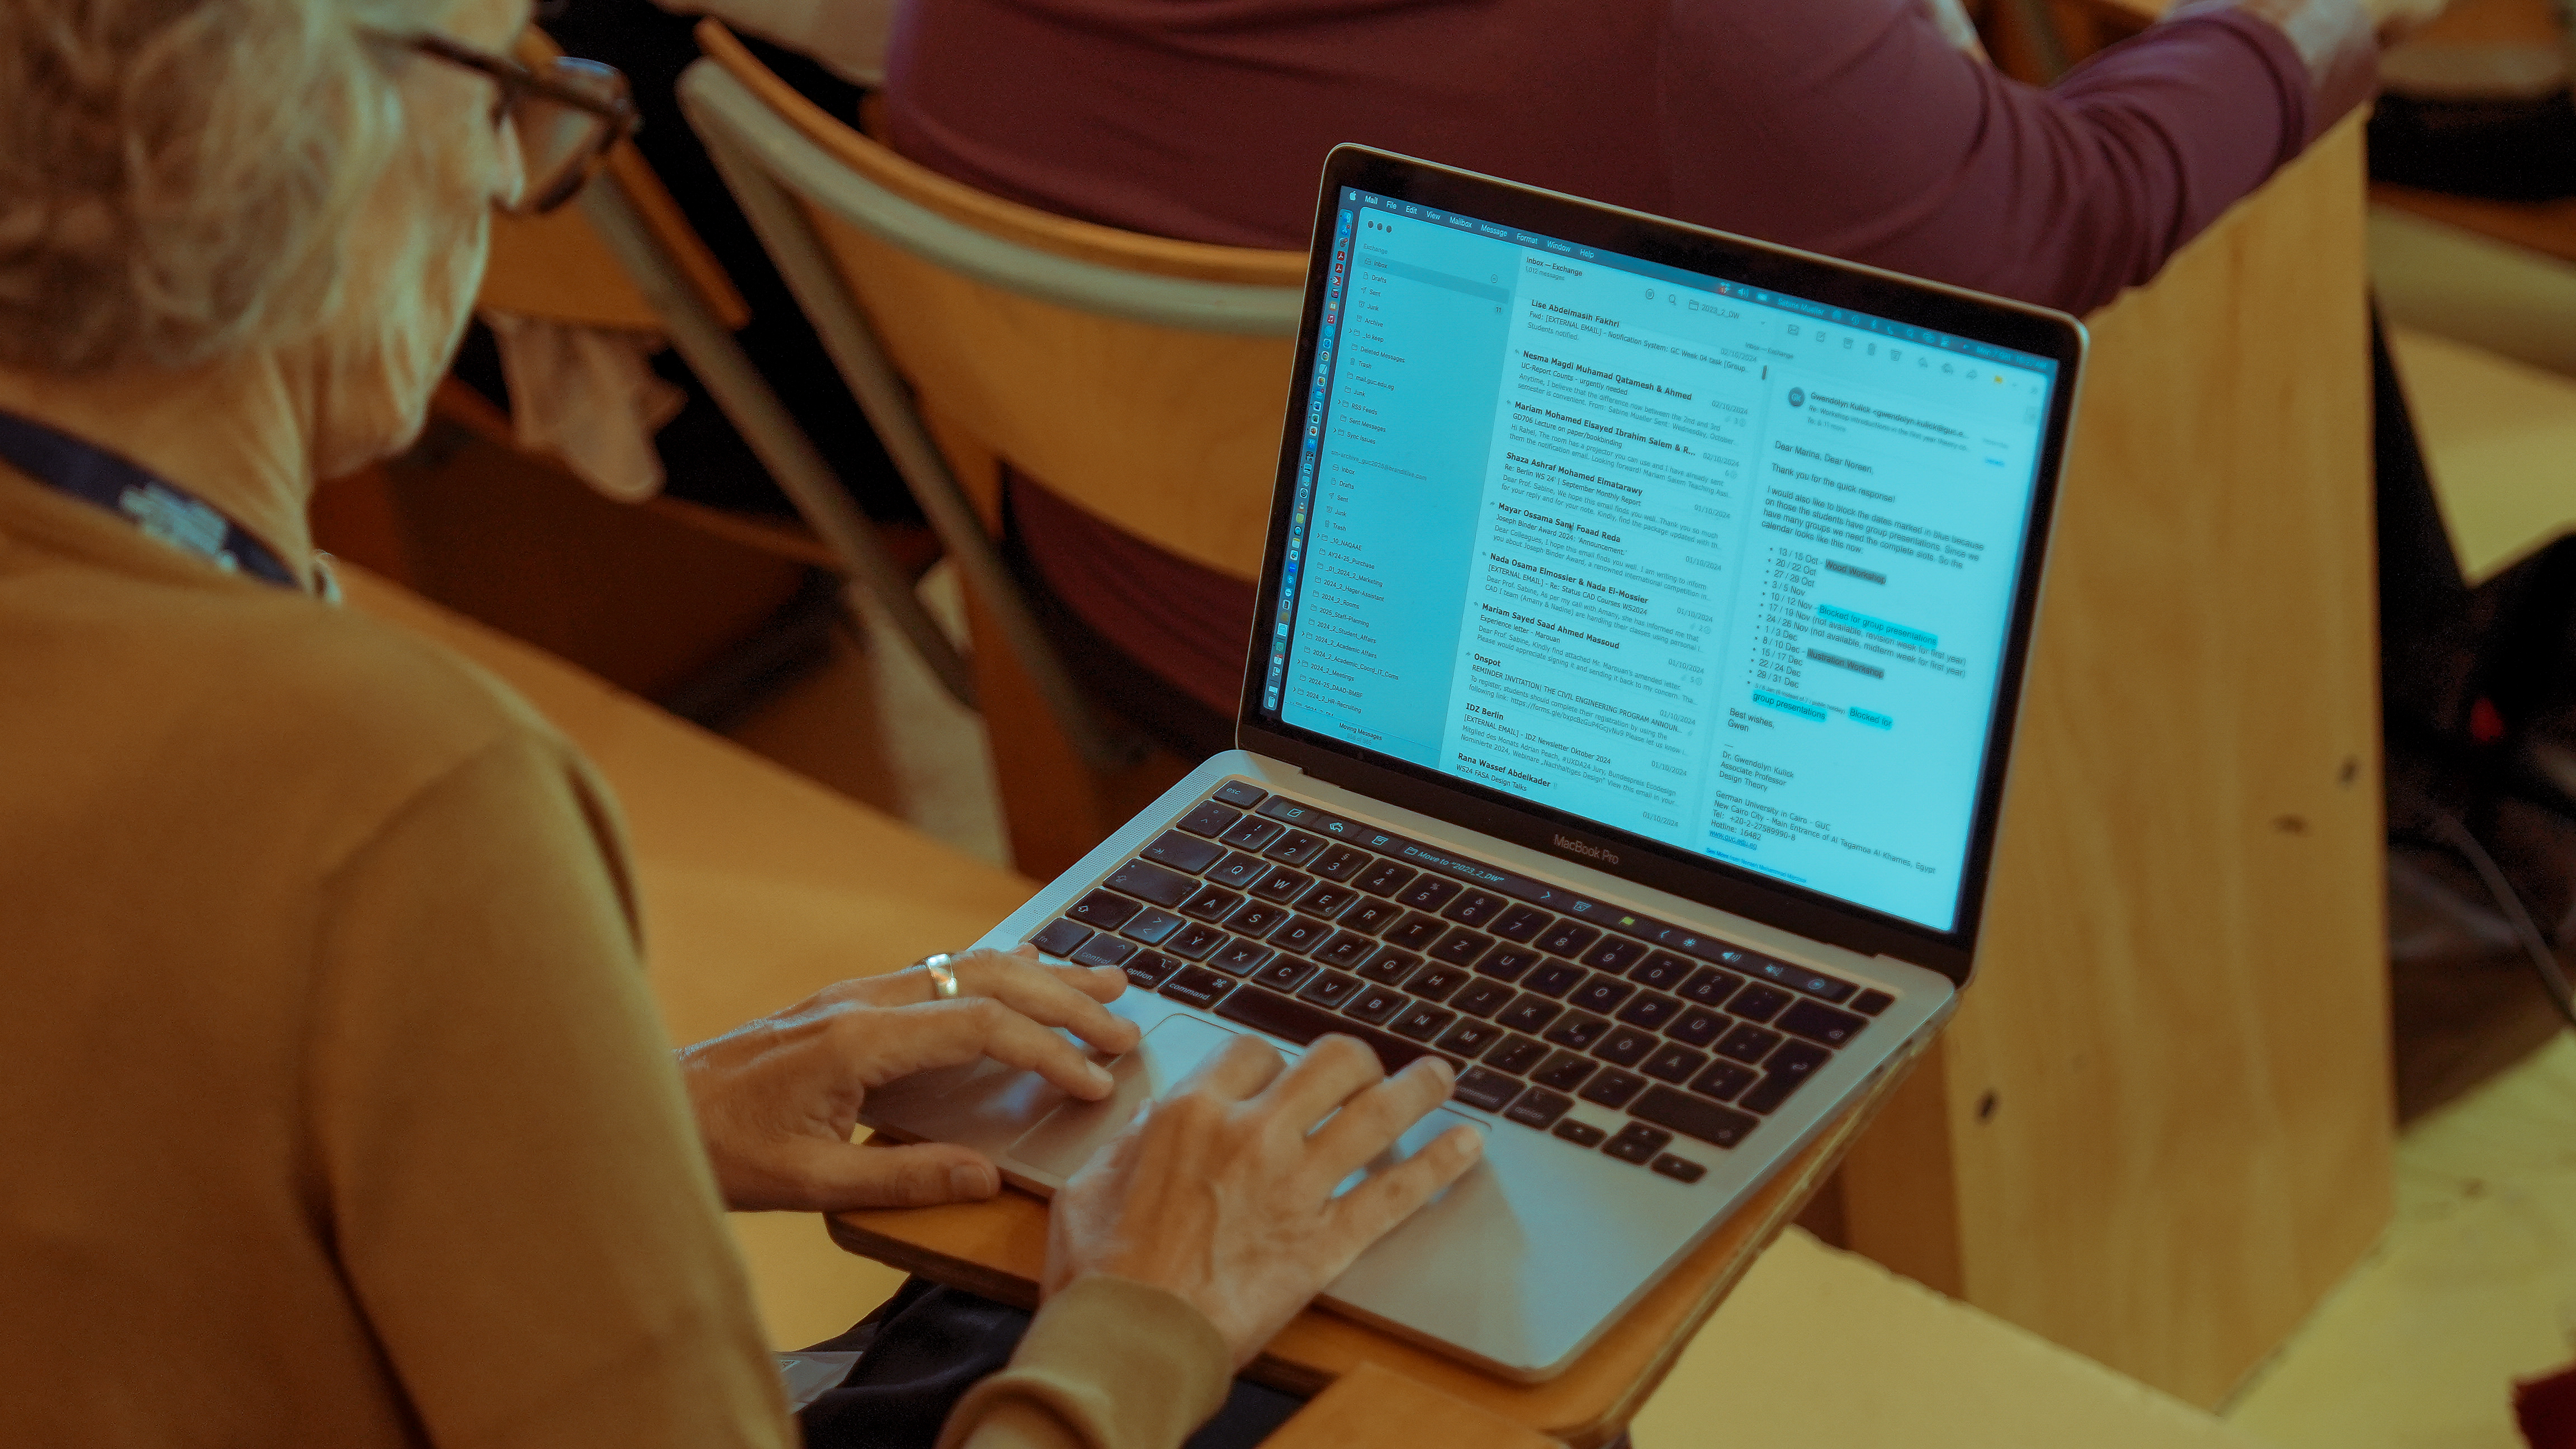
<point x="335" y="1105"/>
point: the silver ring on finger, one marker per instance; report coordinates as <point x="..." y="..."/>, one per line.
<point x="943" y="981"/>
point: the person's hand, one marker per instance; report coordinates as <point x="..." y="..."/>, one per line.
<point x="1222" y="1193"/>
<point x="2394" y="20"/>
<point x="776" y="1099"/>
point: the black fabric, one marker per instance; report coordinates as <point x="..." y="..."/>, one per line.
<point x="926" y="1346"/>
<point x="2521" y="149"/>
<point x="705" y="460"/>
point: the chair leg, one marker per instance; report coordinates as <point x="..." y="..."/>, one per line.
<point x="1055" y="805"/>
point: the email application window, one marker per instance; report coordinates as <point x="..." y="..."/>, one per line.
<point x="1728" y="571"/>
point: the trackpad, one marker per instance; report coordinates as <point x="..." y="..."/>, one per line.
<point x="1065" y="1138"/>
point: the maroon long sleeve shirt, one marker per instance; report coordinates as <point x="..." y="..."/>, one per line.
<point x="1849" y="127"/>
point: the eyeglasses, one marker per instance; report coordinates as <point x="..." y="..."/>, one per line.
<point x="567" y="115"/>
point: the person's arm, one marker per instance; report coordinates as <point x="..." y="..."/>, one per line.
<point x="1855" y="128"/>
<point x="501" y="1155"/>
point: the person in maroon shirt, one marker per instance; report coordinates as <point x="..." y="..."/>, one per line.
<point x="1858" y="128"/>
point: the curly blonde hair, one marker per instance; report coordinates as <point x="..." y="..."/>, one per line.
<point x="179" y="171"/>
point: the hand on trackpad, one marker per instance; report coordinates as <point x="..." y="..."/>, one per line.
<point x="1065" y="1138"/>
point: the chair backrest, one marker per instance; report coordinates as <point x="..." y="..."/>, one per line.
<point x="1140" y="378"/>
<point x="558" y="268"/>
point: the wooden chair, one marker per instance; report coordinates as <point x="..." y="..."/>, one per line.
<point x="625" y="257"/>
<point x="1142" y="378"/>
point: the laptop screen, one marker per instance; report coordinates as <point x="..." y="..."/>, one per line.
<point x="1725" y="568"/>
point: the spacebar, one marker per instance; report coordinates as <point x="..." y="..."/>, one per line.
<point x="1301" y="1022"/>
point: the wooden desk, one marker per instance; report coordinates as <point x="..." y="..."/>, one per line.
<point x="2160" y="1128"/>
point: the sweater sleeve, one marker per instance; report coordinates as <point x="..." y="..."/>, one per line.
<point x="501" y="1150"/>
<point x="1107" y="1364"/>
<point x="1943" y="168"/>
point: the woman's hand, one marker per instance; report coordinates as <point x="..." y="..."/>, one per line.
<point x="1222" y="1193"/>
<point x="776" y="1099"/>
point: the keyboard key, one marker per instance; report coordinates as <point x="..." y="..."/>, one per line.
<point x="1662" y="971"/>
<point x="1580" y="1132"/>
<point x="1637" y="1143"/>
<point x="1625" y="1046"/>
<point x="1210" y="818"/>
<point x="1390" y="966"/>
<point x="1516" y="1054"/>
<point x="1699" y="1026"/>
<point x="1817" y="1022"/>
<point x="1538" y="1107"/>
<point x="1563" y="1071"/>
<point x="1423" y="1021"/>
<point x="1058" y="937"/>
<point x="1490" y="1090"/>
<point x="1520" y="923"/>
<point x="1151" y="926"/>
<point x="1461" y="947"/>
<point x="1385" y="878"/>
<point x="1577" y="1029"/>
<point x="1798" y="1058"/>
<point x="1482" y="998"/>
<point x="1183" y="852"/>
<point x="1238" y="956"/>
<point x="1198" y="986"/>
<point x="1283" y="885"/>
<point x="1252" y="833"/>
<point x="1710" y="987"/>
<point x="1240" y="871"/>
<point x="1285" y="974"/>
<point x="1568" y="939"/>
<point x="1307" y="817"/>
<point x="1747" y="1043"/>
<point x="1695" y="1116"/>
<point x="1530" y="1014"/>
<point x="1871" y="1003"/>
<point x="1818" y="984"/>
<point x="1770" y="1092"/>
<point x="1102" y="910"/>
<point x="1470" y="1037"/>
<point x="1650" y="1011"/>
<point x="1242" y="794"/>
<point x="1340" y="862"/>
<point x="1614" y="955"/>
<point x="1327" y="899"/>
<point x="1256" y="919"/>
<point x="1102" y="951"/>
<point x="1330" y="988"/>
<point x="1372" y="915"/>
<point x="1508" y="964"/>
<point x="1159" y="884"/>
<point x="1428" y="893"/>
<point x="1553" y="978"/>
<point x="1301" y="933"/>
<point x="1195" y="941"/>
<point x="1376" y="1005"/>
<point x="1345" y="949"/>
<point x="1673" y="1062"/>
<point x="1297" y="848"/>
<point x="1758" y="1002"/>
<point x="1147" y="969"/>
<point x="1474" y="908"/>
<point x="1301" y="1022"/>
<point x="1416" y="931"/>
<point x="1613" y="1088"/>
<point x="1436" y="982"/>
<point x="1211" y="903"/>
<point x="1723" y="1080"/>
<point x="1603" y="994"/>
<point x="1679" y="1169"/>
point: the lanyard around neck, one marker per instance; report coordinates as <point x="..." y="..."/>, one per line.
<point x="161" y="508"/>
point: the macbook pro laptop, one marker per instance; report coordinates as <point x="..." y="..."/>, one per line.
<point x="1633" y="678"/>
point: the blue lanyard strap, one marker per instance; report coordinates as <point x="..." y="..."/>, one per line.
<point x="162" y="509"/>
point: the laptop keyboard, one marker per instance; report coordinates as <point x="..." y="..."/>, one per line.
<point x="1295" y="922"/>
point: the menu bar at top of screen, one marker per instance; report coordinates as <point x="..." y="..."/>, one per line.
<point x="1700" y="281"/>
